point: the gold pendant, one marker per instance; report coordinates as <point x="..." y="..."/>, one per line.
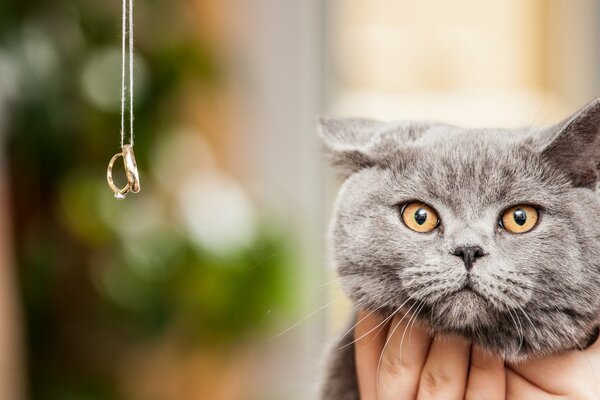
<point x="131" y="171"/>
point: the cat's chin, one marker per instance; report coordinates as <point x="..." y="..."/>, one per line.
<point x="464" y="310"/>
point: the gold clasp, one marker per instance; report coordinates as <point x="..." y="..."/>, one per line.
<point x="131" y="171"/>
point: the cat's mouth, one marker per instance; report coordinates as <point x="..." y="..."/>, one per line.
<point x="468" y="295"/>
<point x="468" y="290"/>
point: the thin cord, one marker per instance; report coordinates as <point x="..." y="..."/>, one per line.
<point x="127" y="57"/>
<point x="123" y="38"/>
<point x="131" y="72"/>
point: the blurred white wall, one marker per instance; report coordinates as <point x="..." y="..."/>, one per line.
<point x="276" y="148"/>
<point x="473" y="63"/>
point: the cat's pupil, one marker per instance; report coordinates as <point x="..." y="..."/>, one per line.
<point x="520" y="216"/>
<point x="421" y="216"/>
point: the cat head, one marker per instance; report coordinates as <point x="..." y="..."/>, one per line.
<point x="491" y="234"/>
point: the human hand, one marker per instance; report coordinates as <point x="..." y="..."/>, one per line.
<point x="570" y="375"/>
<point x="402" y="361"/>
<point x="398" y="359"/>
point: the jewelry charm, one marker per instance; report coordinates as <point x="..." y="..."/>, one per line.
<point x="131" y="171"/>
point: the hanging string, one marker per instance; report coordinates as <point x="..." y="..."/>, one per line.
<point x="131" y="171"/>
<point x="127" y="64"/>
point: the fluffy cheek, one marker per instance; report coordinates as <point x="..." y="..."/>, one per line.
<point x="371" y="250"/>
<point x="390" y="273"/>
<point x="371" y="292"/>
<point x="543" y="268"/>
<point x="504" y="283"/>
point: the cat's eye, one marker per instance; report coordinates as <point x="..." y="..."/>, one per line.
<point x="419" y="217"/>
<point x="519" y="219"/>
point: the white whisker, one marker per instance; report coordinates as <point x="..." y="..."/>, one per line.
<point x="410" y="320"/>
<point x="339" y="278"/>
<point x="516" y="326"/>
<point x="386" y="344"/>
<point x="305" y="318"/>
<point x="381" y="324"/>
<point x="354" y="327"/>
<point x="522" y="332"/>
<point x="414" y="322"/>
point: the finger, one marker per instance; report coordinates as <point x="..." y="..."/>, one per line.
<point x="487" y="377"/>
<point x="370" y="335"/>
<point x="519" y="388"/>
<point x="444" y="375"/>
<point x="563" y="374"/>
<point x="402" y="359"/>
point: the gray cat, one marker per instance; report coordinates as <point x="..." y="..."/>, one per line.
<point x="491" y="234"/>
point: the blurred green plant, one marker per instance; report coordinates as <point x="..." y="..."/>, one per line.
<point x="90" y="290"/>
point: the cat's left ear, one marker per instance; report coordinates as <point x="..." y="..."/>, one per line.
<point x="347" y="142"/>
<point x="575" y="146"/>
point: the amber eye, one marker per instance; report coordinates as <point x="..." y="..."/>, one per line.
<point x="519" y="219"/>
<point x="419" y="217"/>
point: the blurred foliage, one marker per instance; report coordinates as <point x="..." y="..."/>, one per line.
<point x="91" y="289"/>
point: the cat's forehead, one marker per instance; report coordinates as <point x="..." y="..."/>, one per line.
<point x="475" y="168"/>
<point x="451" y="136"/>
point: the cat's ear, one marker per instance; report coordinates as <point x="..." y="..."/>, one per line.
<point x="347" y="142"/>
<point x="574" y="146"/>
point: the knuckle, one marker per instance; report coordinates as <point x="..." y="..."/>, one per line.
<point x="391" y="364"/>
<point x="478" y="365"/>
<point x="434" y="382"/>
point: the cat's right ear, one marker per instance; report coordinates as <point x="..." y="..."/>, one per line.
<point x="574" y="147"/>
<point x="347" y="142"/>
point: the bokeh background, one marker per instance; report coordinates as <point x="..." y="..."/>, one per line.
<point x="213" y="282"/>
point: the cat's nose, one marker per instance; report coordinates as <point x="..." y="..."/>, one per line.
<point x="469" y="254"/>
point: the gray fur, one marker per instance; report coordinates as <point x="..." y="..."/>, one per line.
<point x="539" y="292"/>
